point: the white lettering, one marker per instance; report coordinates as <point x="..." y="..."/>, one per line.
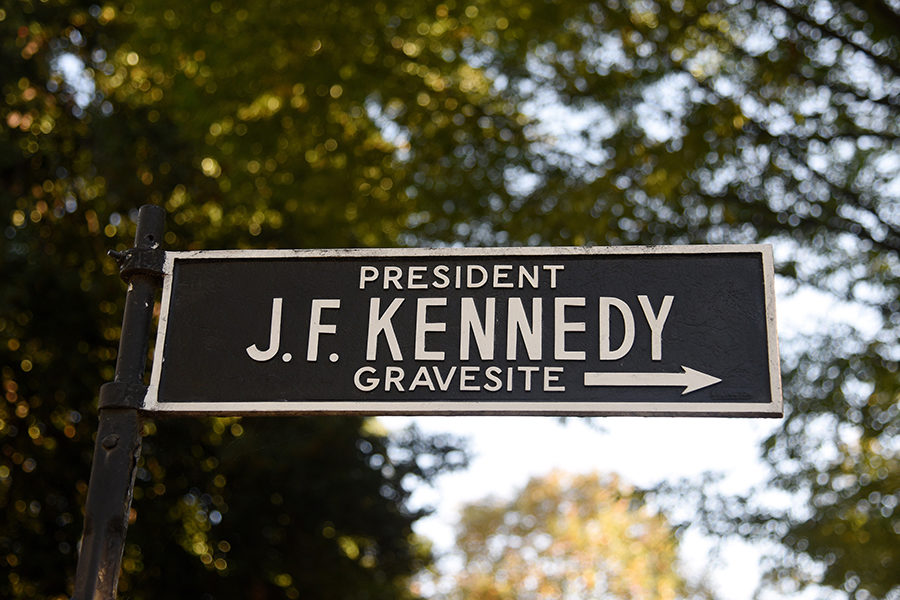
<point x="531" y="333"/>
<point x="414" y="277"/>
<point x="501" y="273"/>
<point x="495" y="382"/>
<point x="464" y="276"/>
<point x="470" y="276"/>
<point x="531" y="277"/>
<point x="393" y="275"/>
<point x="443" y="384"/>
<point x="466" y="377"/>
<point x="424" y="326"/>
<point x="561" y="327"/>
<point x="422" y="378"/>
<point x="471" y="379"/>
<point x="628" y="339"/>
<point x="367" y="274"/>
<point x="370" y="383"/>
<point x="393" y="376"/>
<point x="470" y="322"/>
<point x="379" y="324"/>
<point x="656" y="323"/>
<point x="440" y="273"/>
<point x="550" y="377"/>
<point x="316" y="327"/>
<point x="274" y="336"/>
<point x="528" y="371"/>
<point x="553" y="269"/>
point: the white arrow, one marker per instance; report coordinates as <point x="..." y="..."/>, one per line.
<point x="689" y="378"/>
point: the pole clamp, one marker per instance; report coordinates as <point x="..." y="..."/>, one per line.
<point x="117" y="394"/>
<point x="140" y="261"/>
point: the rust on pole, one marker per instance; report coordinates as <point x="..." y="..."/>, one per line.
<point x="118" y="443"/>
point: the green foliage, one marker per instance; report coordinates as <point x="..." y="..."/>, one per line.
<point x="484" y="122"/>
<point x="743" y="121"/>
<point x="220" y="508"/>
<point x="351" y="125"/>
<point x="747" y="121"/>
<point x="278" y="508"/>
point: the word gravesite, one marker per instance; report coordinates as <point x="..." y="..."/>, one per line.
<point x="661" y="330"/>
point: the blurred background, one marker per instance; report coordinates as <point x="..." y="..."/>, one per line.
<point x="296" y="124"/>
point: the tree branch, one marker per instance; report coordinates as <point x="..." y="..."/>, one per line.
<point x="891" y="243"/>
<point x="831" y="32"/>
<point x="878" y="9"/>
<point x="892" y="102"/>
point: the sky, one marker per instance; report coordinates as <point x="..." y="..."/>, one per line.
<point x="507" y="451"/>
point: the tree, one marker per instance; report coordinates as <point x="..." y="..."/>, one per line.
<point x="569" y="536"/>
<point x="276" y="508"/>
<point x="483" y="122"/>
<point x="219" y="509"/>
<point x="742" y="121"/>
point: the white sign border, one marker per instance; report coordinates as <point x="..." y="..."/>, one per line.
<point x="774" y="408"/>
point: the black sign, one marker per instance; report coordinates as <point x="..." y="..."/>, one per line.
<point x="671" y="330"/>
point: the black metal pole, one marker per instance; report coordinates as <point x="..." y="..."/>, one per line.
<point x="118" y="444"/>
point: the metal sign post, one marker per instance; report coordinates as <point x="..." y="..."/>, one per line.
<point x="118" y="444"/>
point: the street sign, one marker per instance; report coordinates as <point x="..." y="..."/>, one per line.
<point x="663" y="330"/>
